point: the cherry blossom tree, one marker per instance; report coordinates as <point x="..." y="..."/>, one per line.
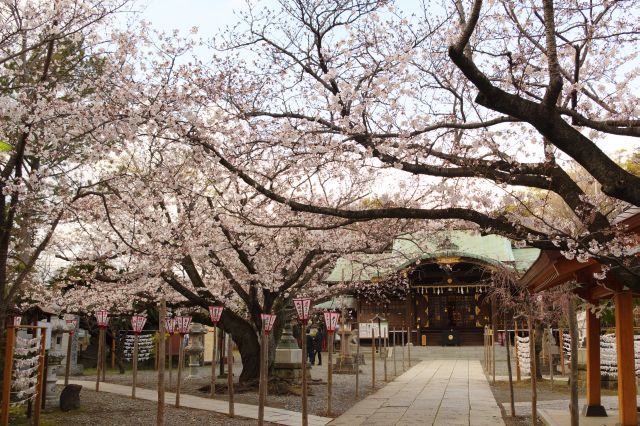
<point x="462" y="105"/>
<point x="169" y="224"/>
<point x="58" y="118"/>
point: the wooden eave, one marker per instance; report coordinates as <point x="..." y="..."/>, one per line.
<point x="552" y="269"/>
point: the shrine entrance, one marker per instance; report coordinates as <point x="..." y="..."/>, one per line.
<point x="448" y="300"/>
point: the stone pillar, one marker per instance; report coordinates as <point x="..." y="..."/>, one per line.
<point x="594" y="407"/>
<point x="195" y="349"/>
<point x="626" y="359"/>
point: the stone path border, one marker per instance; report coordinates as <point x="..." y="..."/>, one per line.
<point x="274" y="415"/>
<point x="435" y="392"/>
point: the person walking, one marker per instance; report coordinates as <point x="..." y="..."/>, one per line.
<point x="318" y="345"/>
<point x="310" y="347"/>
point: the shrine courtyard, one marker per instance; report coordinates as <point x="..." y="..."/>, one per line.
<point x="443" y="386"/>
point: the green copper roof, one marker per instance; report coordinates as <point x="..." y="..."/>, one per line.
<point x="409" y="248"/>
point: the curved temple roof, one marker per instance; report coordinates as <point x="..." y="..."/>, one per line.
<point x="410" y="249"/>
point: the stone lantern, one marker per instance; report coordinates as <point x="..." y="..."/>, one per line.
<point x="54" y="360"/>
<point x="195" y="348"/>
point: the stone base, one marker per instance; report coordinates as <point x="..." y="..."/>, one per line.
<point x="360" y="359"/>
<point x="345" y="365"/>
<point x="289" y="371"/>
<point x="594" y="411"/>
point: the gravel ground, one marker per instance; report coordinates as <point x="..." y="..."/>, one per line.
<point x="343" y="395"/>
<point x="109" y="409"/>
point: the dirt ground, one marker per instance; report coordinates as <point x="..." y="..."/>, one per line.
<point x="522" y="393"/>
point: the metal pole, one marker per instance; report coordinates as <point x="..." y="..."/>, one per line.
<point x="358" y="364"/>
<point x="305" y="416"/>
<point x="8" y="367"/>
<point x="180" y="362"/>
<point x="213" y="363"/>
<point x="135" y="366"/>
<point x="38" y="402"/>
<point x="230" y="374"/>
<point x="262" y="385"/>
<point x="329" y="373"/>
<point x="68" y="361"/>
<point x="98" y="358"/>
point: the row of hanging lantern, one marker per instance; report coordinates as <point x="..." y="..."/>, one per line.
<point x="450" y="289"/>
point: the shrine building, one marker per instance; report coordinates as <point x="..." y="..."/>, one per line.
<point x="448" y="274"/>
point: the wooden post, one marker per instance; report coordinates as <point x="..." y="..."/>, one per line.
<point x="562" y="367"/>
<point x="230" y="374"/>
<point x="358" y="364"/>
<point x="626" y="358"/>
<point x="303" y="339"/>
<point x="395" y="366"/>
<point x="113" y="353"/>
<point x="532" y="374"/>
<point x="507" y="345"/>
<point x="263" y="377"/>
<point x="549" y="354"/>
<point x="180" y="362"/>
<point x="103" y="359"/>
<point x="373" y="359"/>
<point x="8" y="369"/>
<point x="494" y="328"/>
<point x="41" y="378"/>
<point x="213" y="363"/>
<point x="330" y="372"/>
<point x="68" y="360"/>
<point x="402" y="341"/>
<point x="161" y="358"/>
<point x="170" y="358"/>
<point x="99" y="358"/>
<point x="384" y="359"/>
<point x="515" y="339"/>
<point x="135" y="366"/>
<point x="410" y="339"/>
<point x="574" y="412"/>
<point x="594" y="406"/>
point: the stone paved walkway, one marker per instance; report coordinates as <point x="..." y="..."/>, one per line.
<point x="448" y="392"/>
<point x="274" y="415"/>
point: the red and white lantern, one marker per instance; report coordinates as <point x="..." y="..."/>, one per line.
<point x="72" y="324"/>
<point x="103" y="318"/>
<point x="182" y="324"/>
<point x="303" y="308"/>
<point x="331" y="321"/>
<point x="137" y="323"/>
<point x="267" y="322"/>
<point x="215" y="312"/>
<point x="170" y="325"/>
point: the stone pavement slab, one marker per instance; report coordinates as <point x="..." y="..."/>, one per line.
<point x="435" y="392"/>
<point x="274" y="415"/>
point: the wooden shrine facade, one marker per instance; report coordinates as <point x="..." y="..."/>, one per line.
<point x="446" y="303"/>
